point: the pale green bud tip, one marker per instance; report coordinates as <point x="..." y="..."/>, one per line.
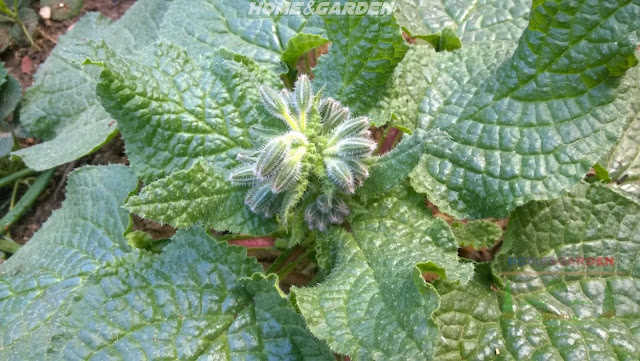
<point x="303" y="94"/>
<point x="260" y="199"/>
<point x="243" y="176"/>
<point x="332" y="113"/>
<point x="355" y="148"/>
<point x="278" y="105"/>
<point x="287" y="175"/>
<point x="272" y="157"/>
<point x="340" y="174"/>
<point x="354" y="127"/>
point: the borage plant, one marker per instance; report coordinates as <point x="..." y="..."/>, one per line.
<point x="506" y="126"/>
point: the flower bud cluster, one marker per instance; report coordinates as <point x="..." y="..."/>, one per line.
<point x="322" y="142"/>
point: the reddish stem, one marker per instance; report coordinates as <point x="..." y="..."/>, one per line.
<point x="265" y="242"/>
<point x="389" y="141"/>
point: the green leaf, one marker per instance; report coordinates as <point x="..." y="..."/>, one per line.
<point x="477" y="234"/>
<point x="172" y="109"/>
<point x="193" y="301"/>
<point x="472" y="20"/>
<point x="200" y="194"/>
<point x="375" y="304"/>
<point x="629" y="189"/>
<point x="61" y="106"/>
<point x="10" y="93"/>
<point x="393" y="167"/>
<point x="206" y="25"/>
<point x="446" y="40"/>
<point x="3" y="73"/>
<point x="299" y="45"/>
<point x="531" y="126"/>
<point x="78" y="239"/>
<point x="363" y="53"/>
<point x="554" y="311"/>
<point x="624" y="158"/>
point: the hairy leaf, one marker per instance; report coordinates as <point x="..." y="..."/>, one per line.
<point x="193" y="301"/>
<point x="78" y="239"/>
<point x="374" y="304"/>
<point x="477" y="234"/>
<point x="61" y="106"/>
<point x="584" y="306"/>
<point x="364" y="51"/>
<point x="201" y="194"/>
<point x="392" y="168"/>
<point x="203" y="26"/>
<point x="532" y="126"/>
<point x="172" y="109"/>
<point x="486" y="20"/>
<point x="299" y="45"/>
<point x="10" y="93"/>
<point x="624" y="158"/>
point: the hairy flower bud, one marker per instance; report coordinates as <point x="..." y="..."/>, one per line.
<point x="303" y="95"/>
<point x="244" y="176"/>
<point x="260" y="198"/>
<point x="289" y="173"/>
<point x="332" y="113"/>
<point x="340" y="174"/>
<point x="331" y="150"/>
<point x="324" y="211"/>
<point x="278" y="105"/>
<point x="271" y="158"/>
<point x="353" y="148"/>
<point x="354" y="127"/>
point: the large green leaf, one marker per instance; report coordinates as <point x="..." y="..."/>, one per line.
<point x="487" y="20"/>
<point x="80" y="238"/>
<point x="205" y="25"/>
<point x="531" y="126"/>
<point x="201" y="194"/>
<point x="61" y="106"/>
<point x="584" y="309"/>
<point x="477" y="234"/>
<point x="375" y="304"/>
<point x="192" y="302"/>
<point x="390" y="169"/>
<point x="364" y="51"/>
<point x="172" y="109"/>
<point x="624" y="158"/>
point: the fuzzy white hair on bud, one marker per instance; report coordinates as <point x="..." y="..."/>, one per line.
<point x="271" y="157"/>
<point x="323" y="144"/>
<point x="244" y="176"/>
<point x="340" y="174"/>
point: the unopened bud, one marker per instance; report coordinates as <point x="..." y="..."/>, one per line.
<point x="271" y="157"/>
<point x="358" y="169"/>
<point x="289" y="173"/>
<point x="259" y="198"/>
<point x="351" y="127"/>
<point x="340" y="174"/>
<point x="278" y="105"/>
<point x="303" y="94"/>
<point x="332" y="113"/>
<point x="244" y="176"/>
<point x="354" y="148"/>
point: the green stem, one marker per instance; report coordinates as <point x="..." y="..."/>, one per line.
<point x="282" y="274"/>
<point x="8" y="245"/>
<point x="24" y="29"/>
<point x="26" y="201"/>
<point x="15" y="176"/>
<point x="282" y="258"/>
